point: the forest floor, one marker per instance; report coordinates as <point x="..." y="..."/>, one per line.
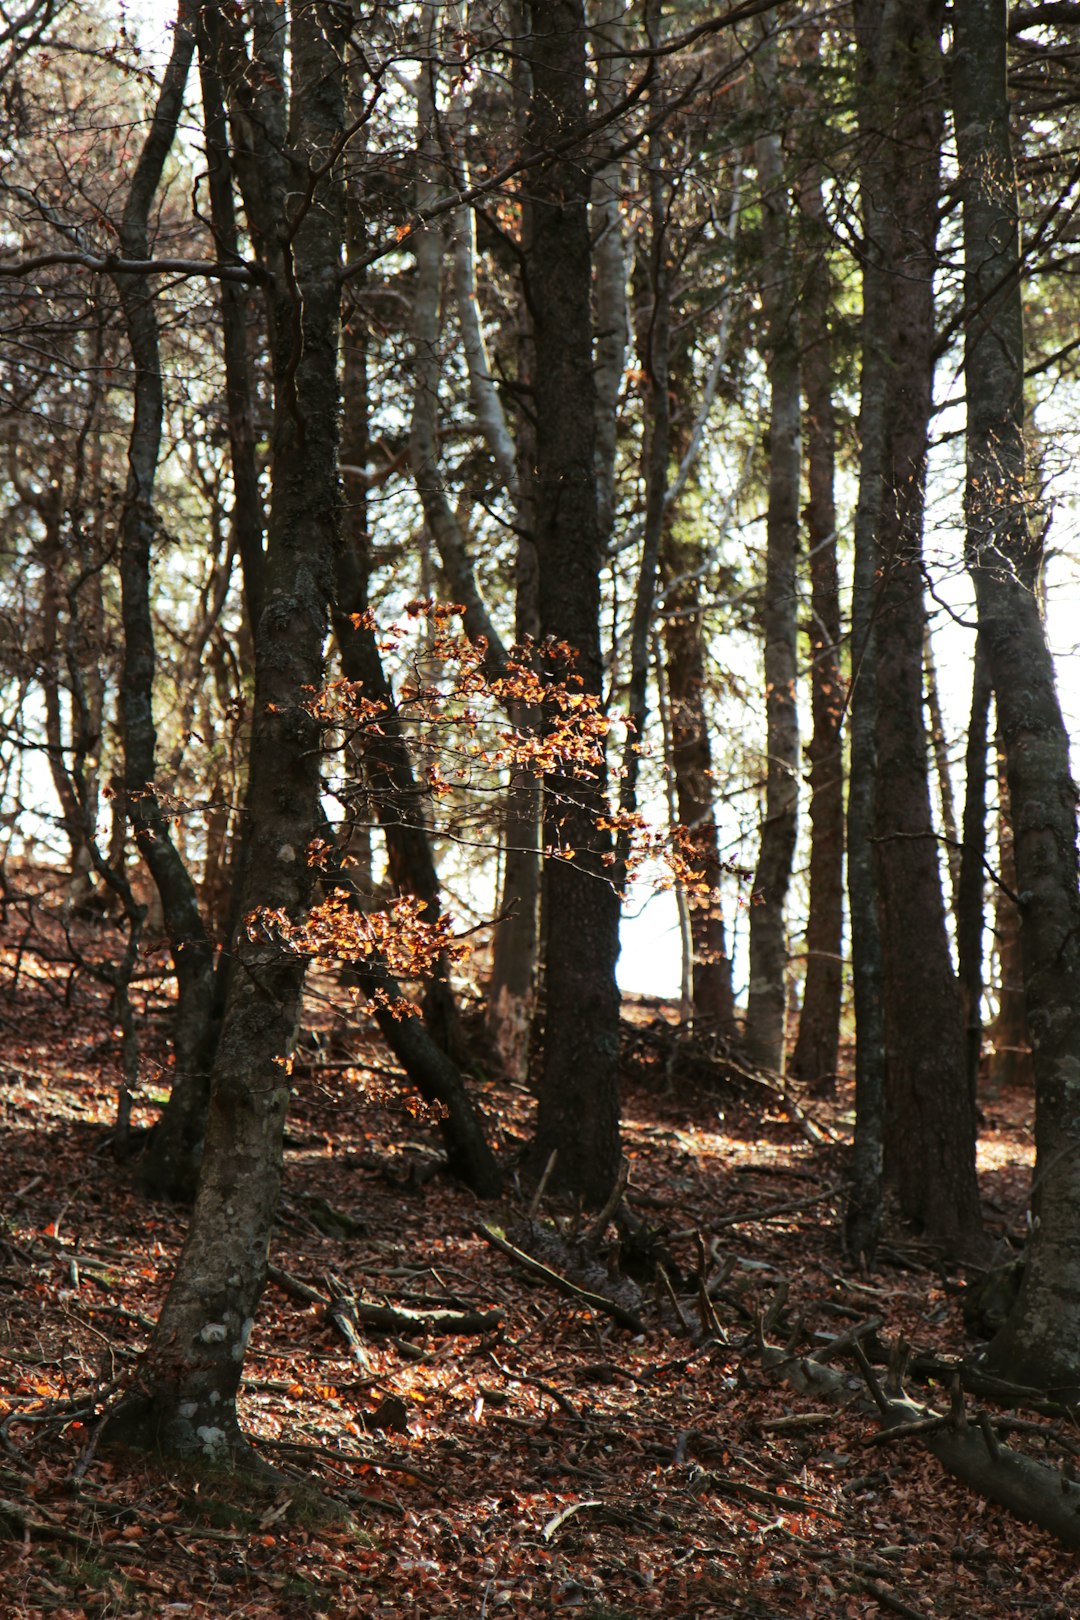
<point x="556" y="1463"/>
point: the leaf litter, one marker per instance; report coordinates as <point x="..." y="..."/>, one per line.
<point x="554" y="1463"/>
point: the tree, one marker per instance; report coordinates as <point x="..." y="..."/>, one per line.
<point x="578" y="1116"/>
<point x="1040" y="1342"/>
<point x="815" y="1058"/>
<point x="930" y="1140"/>
<point x="191" y="1370"/>
<point x="767" y="998"/>
<point x="874" y="35"/>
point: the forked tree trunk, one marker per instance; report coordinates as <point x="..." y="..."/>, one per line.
<point x="579" y="1089"/>
<point x="930" y="1112"/>
<point x="186" y="1393"/>
<point x="766" y="1001"/>
<point x="1040" y="1343"/>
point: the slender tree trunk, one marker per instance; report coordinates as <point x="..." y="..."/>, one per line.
<point x="654" y="354"/>
<point x="875" y="28"/>
<point x="943" y="771"/>
<point x="171" y="1164"/>
<point x="814" y="1060"/>
<point x="579" y="1089"/>
<point x="73" y="815"/>
<point x="1040" y="1343"/>
<point x="442" y="521"/>
<point x="607" y="27"/>
<point x="390" y="786"/>
<point x="1011" y="1060"/>
<point x="248" y="517"/>
<point x="512" y="987"/>
<point x="515" y="955"/>
<point x="191" y="1371"/>
<point x="765" y="1011"/>
<point x="682" y="563"/>
<point x="712" y="992"/>
<point x="971" y="871"/>
<point x="931" y="1116"/>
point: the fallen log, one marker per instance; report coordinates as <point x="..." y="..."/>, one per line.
<point x="970" y="1451"/>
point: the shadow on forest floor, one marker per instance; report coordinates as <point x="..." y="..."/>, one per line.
<point x="556" y="1464"/>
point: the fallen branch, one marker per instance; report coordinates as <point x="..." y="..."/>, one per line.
<point x="385" y="1318"/>
<point x="791" y="1206"/>
<point x="1034" y="1492"/>
<point x="554" y="1525"/>
<point x="562" y="1285"/>
<point x="723" y="1485"/>
<point x="888" y="1599"/>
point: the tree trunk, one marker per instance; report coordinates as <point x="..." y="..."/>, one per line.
<point x="248" y="517"/>
<point x="390" y="787"/>
<point x="712" y="992"/>
<point x="814" y="1060"/>
<point x="512" y="986"/>
<point x="875" y="30"/>
<point x="1010" y="1062"/>
<point x="74" y="816"/>
<point x="971" y="873"/>
<point x="939" y="744"/>
<point x="653" y="320"/>
<point x="189" y="1376"/>
<point x="931" y="1116"/>
<point x="1040" y="1343"/>
<point x="682" y="563"/>
<point x="171" y="1164"/>
<point x="441" y="519"/>
<point x="579" y="1089"/>
<point x="765" y="1010"/>
<point x="607" y="28"/>
<point x="515" y="952"/>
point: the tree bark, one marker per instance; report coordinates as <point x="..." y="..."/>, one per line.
<point x="766" y="1001"/>
<point x="579" y="1088"/>
<point x="1040" y="1343"/>
<point x="931" y="1116"/>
